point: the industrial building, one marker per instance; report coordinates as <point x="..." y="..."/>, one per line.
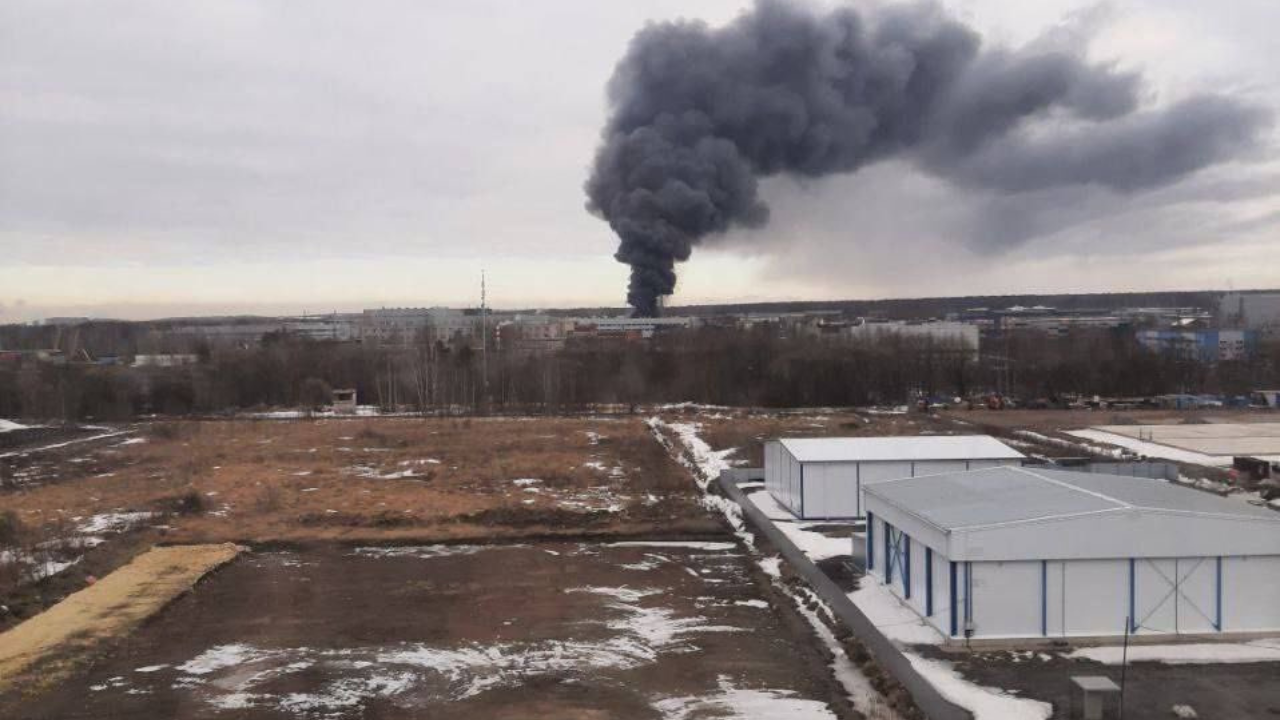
<point x="1028" y="553"/>
<point x="824" y="478"/>
<point x="1206" y="346"/>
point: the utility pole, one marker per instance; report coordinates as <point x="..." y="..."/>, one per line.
<point x="484" y="344"/>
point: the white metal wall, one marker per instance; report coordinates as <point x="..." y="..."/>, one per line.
<point x="1251" y="593"/>
<point x="831" y="490"/>
<point x="1086" y="597"/>
<point x="782" y="476"/>
<point x="834" y="489"/>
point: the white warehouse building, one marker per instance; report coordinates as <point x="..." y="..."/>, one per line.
<point x="1020" y="553"/>
<point x="823" y="478"/>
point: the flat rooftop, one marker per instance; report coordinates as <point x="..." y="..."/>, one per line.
<point x="899" y="448"/>
<point x="978" y="498"/>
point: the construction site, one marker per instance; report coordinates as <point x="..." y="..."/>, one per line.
<point x="604" y="566"/>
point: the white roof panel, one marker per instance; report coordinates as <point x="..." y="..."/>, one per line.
<point x="981" y="498"/>
<point x="899" y="448"/>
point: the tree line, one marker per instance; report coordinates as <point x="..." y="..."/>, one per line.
<point x="757" y="367"/>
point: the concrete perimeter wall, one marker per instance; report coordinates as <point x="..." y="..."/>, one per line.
<point x="887" y="655"/>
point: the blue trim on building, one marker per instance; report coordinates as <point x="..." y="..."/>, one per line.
<point x="1217" y="620"/>
<point x="928" y="581"/>
<point x="871" y="542"/>
<point x="1133" y="596"/>
<point x="888" y="554"/>
<point x="906" y="566"/>
<point x="954" y="604"/>
<point x="968" y="595"/>
<point x="1044" y="598"/>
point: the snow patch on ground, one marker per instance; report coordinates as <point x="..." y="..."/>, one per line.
<point x="1151" y="449"/>
<point x="221" y="657"/>
<point x="865" y="698"/>
<point x="734" y="703"/>
<point x="56" y="446"/>
<point x="113" y="522"/>
<point x="1267" y="650"/>
<point x="1088" y="448"/>
<point x="424" y="552"/>
<point x="372" y="473"/>
<point x="239" y="676"/>
<point x="10" y="426"/>
<point x="689" y="544"/>
<point x="891" y="616"/>
<point x="985" y="703"/>
<point x="814" y="544"/>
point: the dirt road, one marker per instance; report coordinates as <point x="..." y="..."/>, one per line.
<point x="39" y="652"/>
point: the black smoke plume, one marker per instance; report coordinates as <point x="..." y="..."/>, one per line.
<point x="698" y="114"/>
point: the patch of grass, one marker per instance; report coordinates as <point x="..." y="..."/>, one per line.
<point x="12" y="529"/>
<point x="165" y="430"/>
<point x="190" y="502"/>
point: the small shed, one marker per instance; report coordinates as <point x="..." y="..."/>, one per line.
<point x="344" y="401"/>
<point x="1033" y="553"/>
<point x="823" y="478"/>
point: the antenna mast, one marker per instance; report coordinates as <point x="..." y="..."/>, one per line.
<point x="484" y="340"/>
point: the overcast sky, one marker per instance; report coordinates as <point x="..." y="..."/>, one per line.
<point x="162" y="158"/>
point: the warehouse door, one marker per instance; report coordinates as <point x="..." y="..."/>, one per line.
<point x="1175" y="595"/>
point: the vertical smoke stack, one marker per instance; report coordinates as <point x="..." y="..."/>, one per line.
<point x="699" y="114"/>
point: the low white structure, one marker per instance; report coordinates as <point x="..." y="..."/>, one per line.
<point x="1030" y="553"/>
<point x="823" y="478"/>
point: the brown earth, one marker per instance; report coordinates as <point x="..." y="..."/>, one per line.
<point x="748" y="430"/>
<point x="555" y="630"/>
<point x="374" y="479"/>
<point x="40" y="652"/>
<point x="1244" y="691"/>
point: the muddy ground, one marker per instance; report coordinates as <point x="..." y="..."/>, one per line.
<point x="1245" y="691"/>
<point x="561" y="630"/>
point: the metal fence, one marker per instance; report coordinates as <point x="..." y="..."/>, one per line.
<point x="886" y="653"/>
<point x="1154" y="470"/>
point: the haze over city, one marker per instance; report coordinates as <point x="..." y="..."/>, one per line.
<point x="160" y="160"/>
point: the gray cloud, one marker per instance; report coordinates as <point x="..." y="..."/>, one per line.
<point x="700" y="113"/>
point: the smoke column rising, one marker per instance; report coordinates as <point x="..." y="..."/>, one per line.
<point x="698" y="114"/>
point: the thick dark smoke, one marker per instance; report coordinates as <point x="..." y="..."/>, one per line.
<point x="698" y="114"/>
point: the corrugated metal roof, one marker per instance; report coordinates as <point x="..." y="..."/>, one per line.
<point x="901" y="448"/>
<point x="977" y="498"/>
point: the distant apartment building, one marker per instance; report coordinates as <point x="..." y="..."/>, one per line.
<point x="533" y="334"/>
<point x="1047" y="320"/>
<point x="941" y="332"/>
<point x="165" y="360"/>
<point x="629" y="327"/>
<point x="334" y="327"/>
<point x="406" y="326"/>
<point x="1205" y="346"/>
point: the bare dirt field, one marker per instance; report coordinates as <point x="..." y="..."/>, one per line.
<point x="370" y="479"/>
<point x="747" y="431"/>
<point x="555" y="630"/>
